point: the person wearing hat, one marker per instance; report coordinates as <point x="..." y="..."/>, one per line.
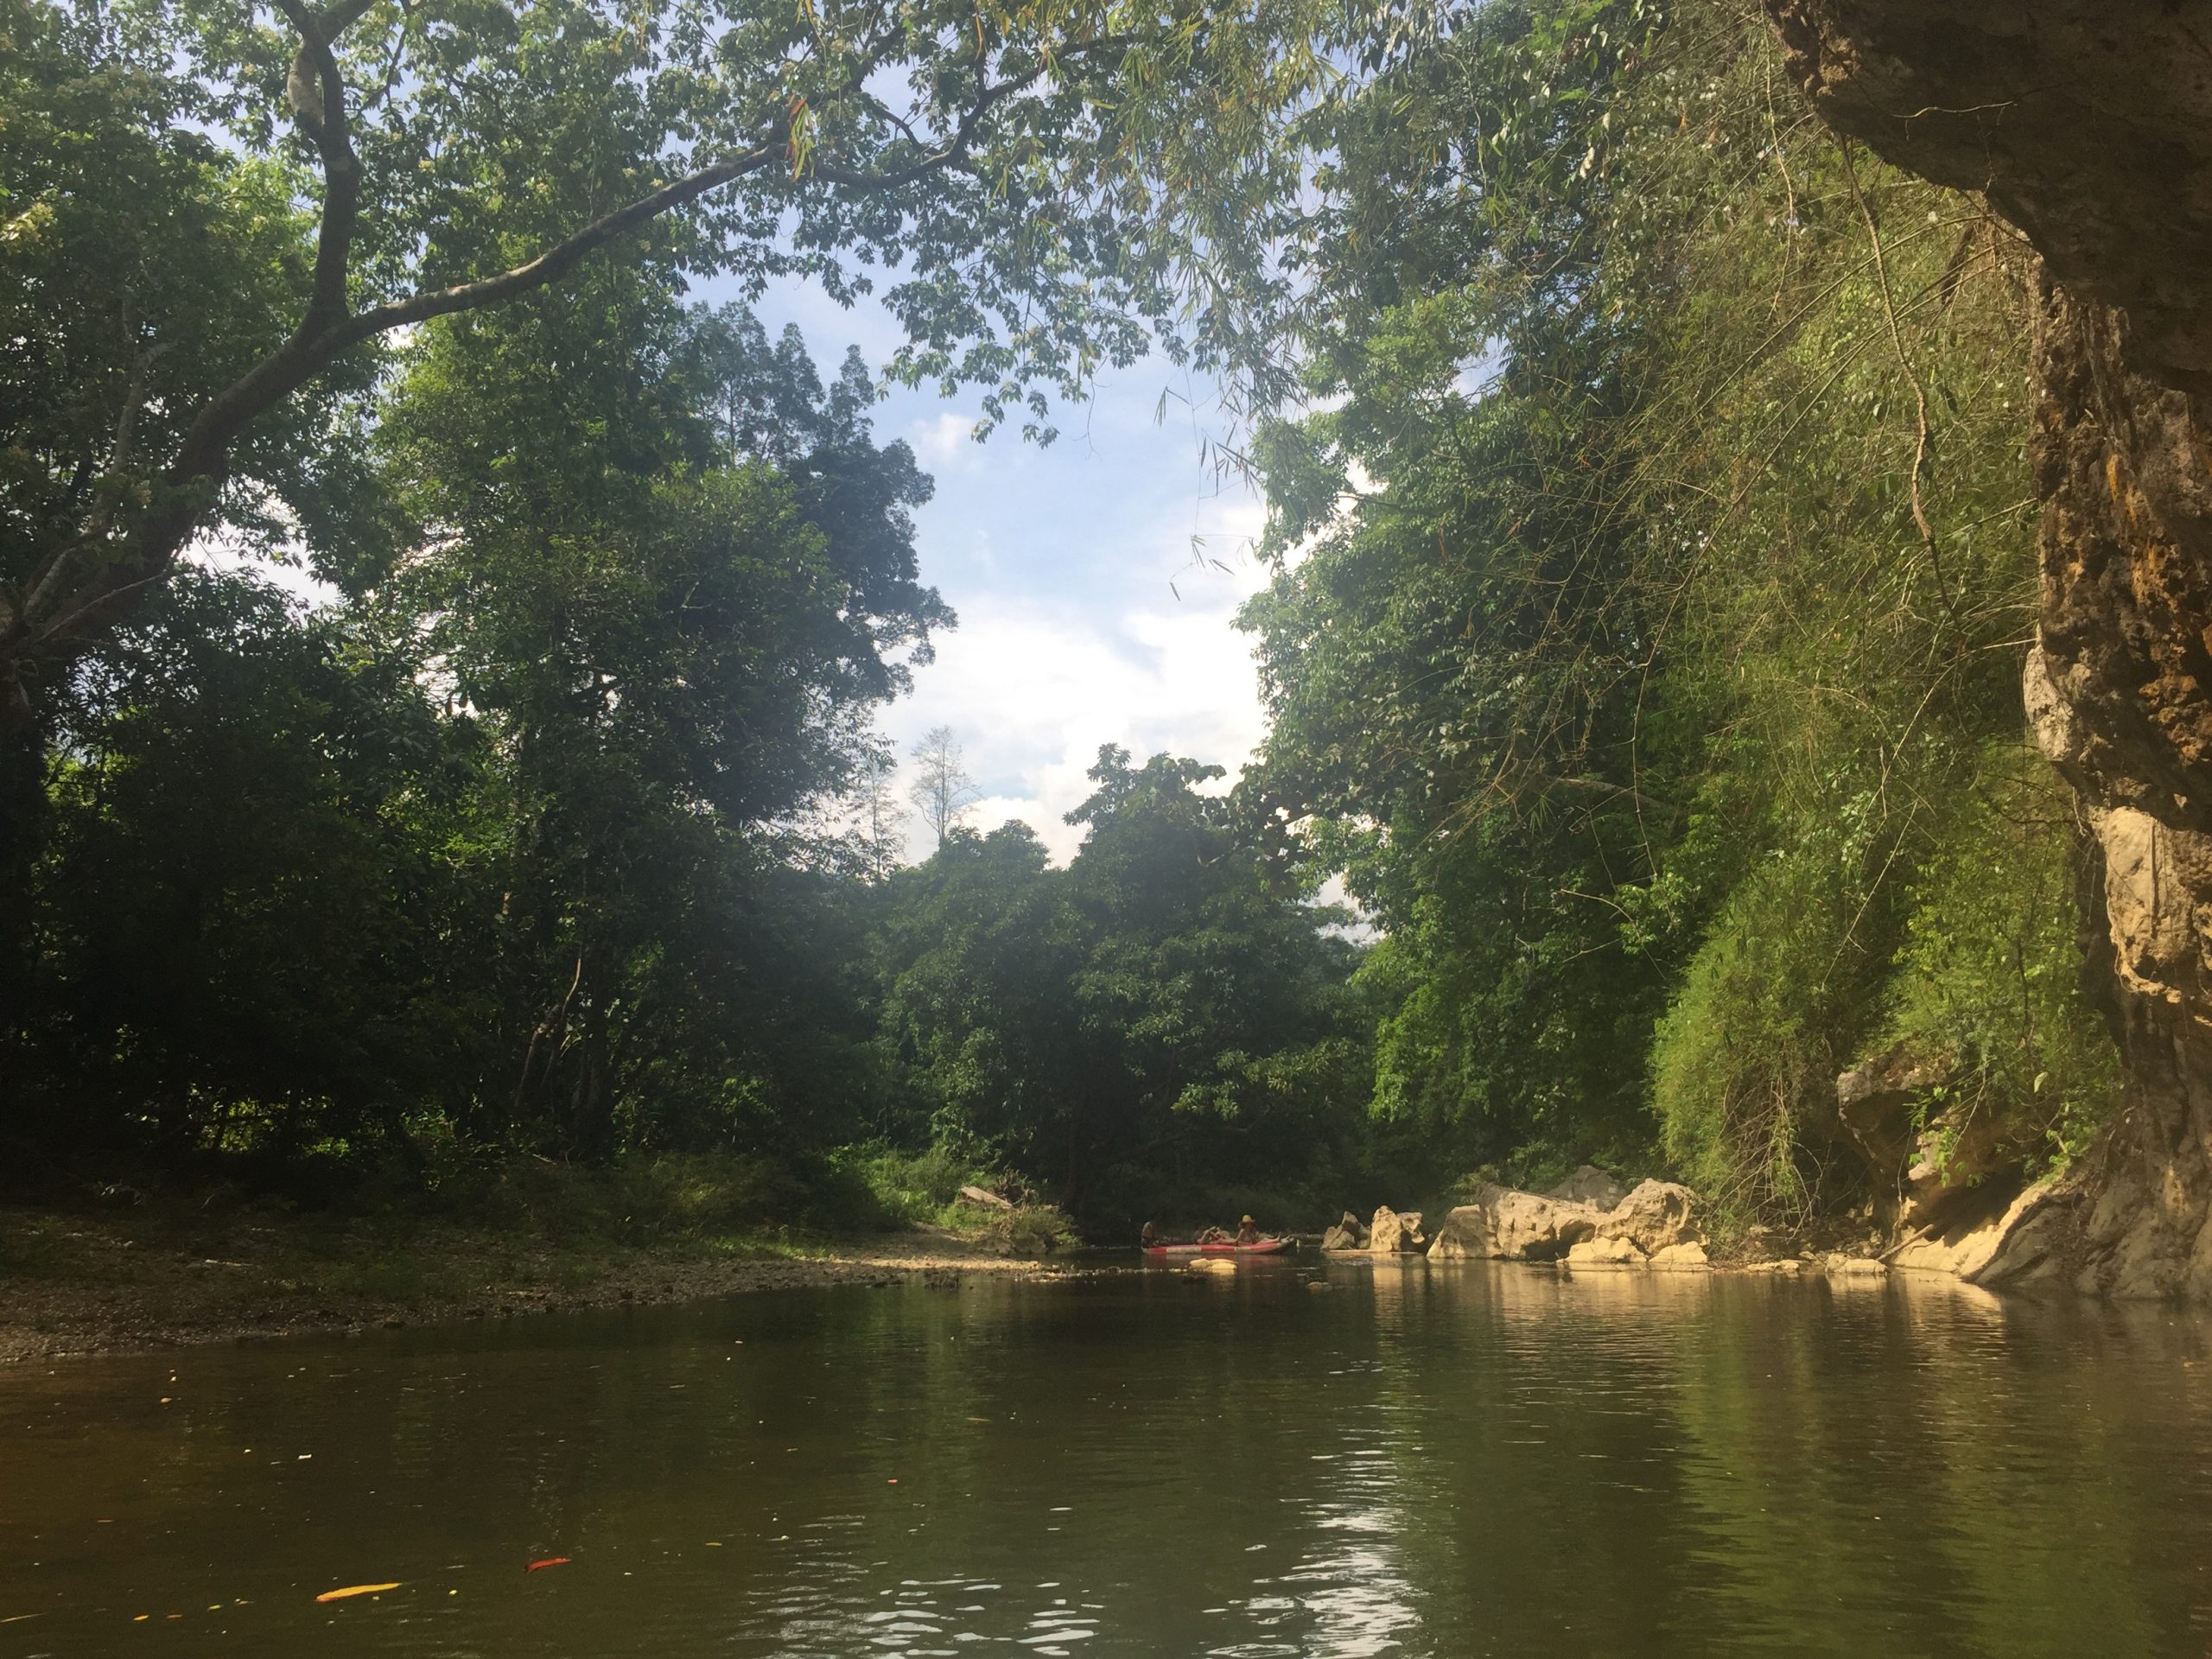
<point x="1246" y="1232"/>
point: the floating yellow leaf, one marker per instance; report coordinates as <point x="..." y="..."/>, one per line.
<point x="356" y="1590"/>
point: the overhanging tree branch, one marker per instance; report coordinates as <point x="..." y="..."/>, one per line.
<point x="555" y="261"/>
<point x="321" y="114"/>
<point x="71" y="602"/>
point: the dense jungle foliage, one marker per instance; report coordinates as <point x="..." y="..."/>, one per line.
<point x="1652" y="602"/>
<point x="1652" y="573"/>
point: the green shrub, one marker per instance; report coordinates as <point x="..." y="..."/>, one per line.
<point x="923" y="1187"/>
<point x="1952" y="932"/>
<point x="1990" y="973"/>
<point x="1744" y="1064"/>
<point x="1028" y="1229"/>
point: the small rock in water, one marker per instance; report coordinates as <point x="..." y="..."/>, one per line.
<point x="1856" y="1267"/>
<point x="1604" y="1253"/>
<point x="1350" y="1233"/>
<point x="1392" y="1234"/>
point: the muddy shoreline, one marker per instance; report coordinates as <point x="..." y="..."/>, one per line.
<point x="73" y="1286"/>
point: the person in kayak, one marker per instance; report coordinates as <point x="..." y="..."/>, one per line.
<point x="1147" y="1239"/>
<point x="1246" y="1232"/>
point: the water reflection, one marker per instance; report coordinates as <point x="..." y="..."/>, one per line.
<point x="1448" y="1461"/>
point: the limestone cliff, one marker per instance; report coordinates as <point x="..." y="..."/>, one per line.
<point x="2088" y="125"/>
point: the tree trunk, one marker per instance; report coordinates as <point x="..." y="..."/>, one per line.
<point x="23" y="816"/>
<point x="2088" y="125"/>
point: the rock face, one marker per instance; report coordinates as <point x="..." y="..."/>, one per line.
<point x="1592" y="1185"/>
<point x="1507" y="1225"/>
<point x="1655" y="1215"/>
<point x="2120" y="691"/>
<point x="2007" y="1240"/>
<point x="1350" y="1233"/>
<point x="1876" y="1101"/>
<point x="1942" y="1179"/>
<point x="2088" y="125"/>
<point x="1392" y="1234"/>
<point x="1924" y="1174"/>
<point x="1513" y="1226"/>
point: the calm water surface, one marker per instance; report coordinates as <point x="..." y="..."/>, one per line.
<point x="1422" y="1461"/>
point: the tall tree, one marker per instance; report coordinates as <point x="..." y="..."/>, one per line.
<point x="679" y="651"/>
<point x="518" y="846"/>
<point x="1663" y="686"/>
<point x="879" y="816"/>
<point x="941" y="790"/>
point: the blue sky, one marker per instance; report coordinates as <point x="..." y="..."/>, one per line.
<point x="1083" y="619"/>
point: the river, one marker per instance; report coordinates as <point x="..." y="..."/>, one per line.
<point x="1419" y="1460"/>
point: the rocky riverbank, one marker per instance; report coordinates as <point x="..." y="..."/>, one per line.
<point x="86" y="1283"/>
<point x="1591" y="1222"/>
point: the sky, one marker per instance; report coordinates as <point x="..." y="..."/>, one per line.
<point x="1085" y="616"/>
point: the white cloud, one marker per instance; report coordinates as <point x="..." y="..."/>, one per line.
<point x="221" y="551"/>
<point x="1031" y="689"/>
<point x="946" y="440"/>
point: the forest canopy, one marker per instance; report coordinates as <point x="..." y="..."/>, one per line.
<point x="1651" y="575"/>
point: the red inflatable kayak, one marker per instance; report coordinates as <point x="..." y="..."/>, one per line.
<point x="1227" y="1246"/>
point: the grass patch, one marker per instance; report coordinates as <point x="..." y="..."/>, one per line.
<point x="924" y="1188"/>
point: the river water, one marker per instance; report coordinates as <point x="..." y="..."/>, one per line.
<point x="1446" y="1460"/>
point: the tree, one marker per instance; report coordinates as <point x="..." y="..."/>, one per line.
<point x="374" y="168"/>
<point x="879" y="818"/>
<point x="941" y="790"/>
<point x="141" y="263"/>
<point x="1222" y="1042"/>
<point x="678" y="652"/>
<point x="1153" y="1024"/>
<point x="978" y="948"/>
<point x="246" y="914"/>
<point x="1657" y="695"/>
<point x="516" y="846"/>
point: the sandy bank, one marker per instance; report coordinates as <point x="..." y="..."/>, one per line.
<point x="76" y="1284"/>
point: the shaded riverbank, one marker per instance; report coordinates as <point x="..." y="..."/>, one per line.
<point x="74" y="1283"/>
